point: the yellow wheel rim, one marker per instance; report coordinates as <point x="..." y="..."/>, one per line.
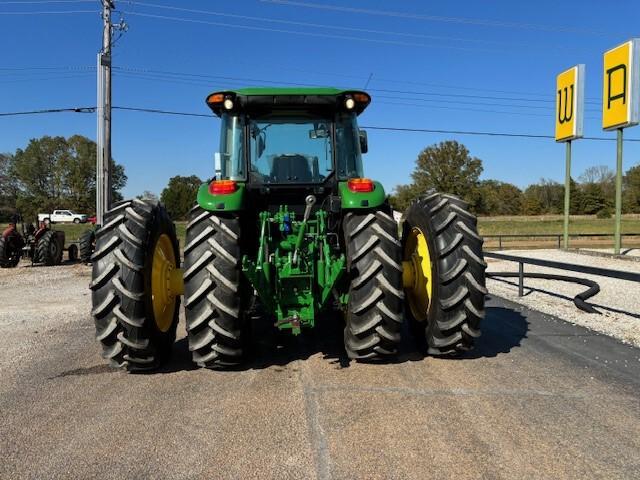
<point x="163" y="291"/>
<point x="417" y="274"/>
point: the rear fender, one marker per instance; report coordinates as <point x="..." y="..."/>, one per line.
<point x="359" y="200"/>
<point x="9" y="231"/>
<point x="231" y="202"/>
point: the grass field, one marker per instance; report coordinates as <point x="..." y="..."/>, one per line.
<point x="522" y="225"/>
<point x="553" y="224"/>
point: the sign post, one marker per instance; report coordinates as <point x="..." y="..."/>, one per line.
<point x="569" y="125"/>
<point x="620" y="107"/>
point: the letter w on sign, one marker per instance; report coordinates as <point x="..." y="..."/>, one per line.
<point x="570" y="104"/>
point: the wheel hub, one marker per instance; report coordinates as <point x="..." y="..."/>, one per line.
<point x="417" y="274"/>
<point x="166" y="283"/>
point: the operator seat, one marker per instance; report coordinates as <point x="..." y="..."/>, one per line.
<point x="291" y="169"/>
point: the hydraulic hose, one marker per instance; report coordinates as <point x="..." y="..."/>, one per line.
<point x="579" y="300"/>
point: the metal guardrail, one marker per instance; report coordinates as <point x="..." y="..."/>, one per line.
<point x="580" y="299"/>
<point x="557" y="236"/>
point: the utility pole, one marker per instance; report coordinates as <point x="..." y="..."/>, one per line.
<point x="103" y="167"/>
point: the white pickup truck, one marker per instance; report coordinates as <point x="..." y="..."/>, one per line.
<point x="62" y="216"/>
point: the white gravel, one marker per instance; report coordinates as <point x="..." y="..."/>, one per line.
<point x="627" y="252"/>
<point x="618" y="300"/>
<point x="36" y="303"/>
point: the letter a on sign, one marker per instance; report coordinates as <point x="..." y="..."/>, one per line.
<point x="570" y="104"/>
<point x="621" y="95"/>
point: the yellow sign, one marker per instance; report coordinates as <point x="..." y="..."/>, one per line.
<point x="620" y="96"/>
<point x="570" y="104"/>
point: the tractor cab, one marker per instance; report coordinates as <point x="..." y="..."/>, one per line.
<point x="284" y="140"/>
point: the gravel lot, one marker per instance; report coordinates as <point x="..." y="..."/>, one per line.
<point x="618" y="300"/>
<point x="537" y="398"/>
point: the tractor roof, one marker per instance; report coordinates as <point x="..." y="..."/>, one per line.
<point x="265" y="99"/>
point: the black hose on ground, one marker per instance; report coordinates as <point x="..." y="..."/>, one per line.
<point x="579" y="300"/>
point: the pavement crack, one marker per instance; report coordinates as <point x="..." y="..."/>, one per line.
<point x="316" y="432"/>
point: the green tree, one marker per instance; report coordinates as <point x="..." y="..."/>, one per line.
<point x="54" y="172"/>
<point x="499" y="198"/>
<point x="148" y="196"/>
<point x="8" y="187"/>
<point x="576" y="199"/>
<point x="631" y="190"/>
<point x="402" y="197"/>
<point x="531" y="205"/>
<point x="605" y="178"/>
<point x="445" y="167"/>
<point x="180" y="194"/>
<point x="548" y="195"/>
<point x="593" y="199"/>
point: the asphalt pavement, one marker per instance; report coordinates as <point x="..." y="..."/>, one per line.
<point x="537" y="398"/>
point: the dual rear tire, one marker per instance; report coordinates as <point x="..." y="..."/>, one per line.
<point x="215" y="291"/>
<point x="446" y="290"/>
<point x="134" y="309"/>
<point x="445" y="293"/>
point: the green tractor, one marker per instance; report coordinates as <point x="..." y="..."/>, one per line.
<point x="289" y="226"/>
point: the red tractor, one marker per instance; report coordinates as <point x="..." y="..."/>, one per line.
<point x="41" y="244"/>
<point x="11" y="245"/>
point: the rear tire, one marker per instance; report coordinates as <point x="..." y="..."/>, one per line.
<point x="121" y="287"/>
<point x="374" y="312"/>
<point x="215" y="293"/>
<point x="9" y="257"/>
<point x="87" y="245"/>
<point x="456" y="306"/>
<point x="48" y="250"/>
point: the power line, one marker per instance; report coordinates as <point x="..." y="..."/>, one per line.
<point x="24" y="2"/>
<point x="51" y="110"/>
<point x="332" y="27"/>
<point x="61" y="76"/>
<point x="280" y="82"/>
<point x="231" y="83"/>
<point x="360" y="78"/>
<point x="66" y="68"/>
<point x="308" y="34"/>
<point x="201" y="80"/>
<point x="164" y="112"/>
<point x="438" y="18"/>
<point x="60" y="12"/>
<point x="369" y="127"/>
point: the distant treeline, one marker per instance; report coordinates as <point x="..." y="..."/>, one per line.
<point x="448" y="167"/>
<point x="58" y="172"/>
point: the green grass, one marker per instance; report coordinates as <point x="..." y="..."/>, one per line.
<point x="553" y="224"/>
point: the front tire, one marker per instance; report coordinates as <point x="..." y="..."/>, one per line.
<point x="214" y="289"/>
<point x="87" y="245"/>
<point x="374" y="311"/>
<point x="444" y="250"/>
<point x="49" y="249"/>
<point x="136" y="250"/>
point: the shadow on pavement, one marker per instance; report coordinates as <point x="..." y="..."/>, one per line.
<point x="502" y="330"/>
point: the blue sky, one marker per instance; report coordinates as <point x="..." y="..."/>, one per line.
<point x="467" y="65"/>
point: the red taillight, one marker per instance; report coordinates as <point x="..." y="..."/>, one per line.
<point x="361" y="185"/>
<point x="222" y="187"/>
